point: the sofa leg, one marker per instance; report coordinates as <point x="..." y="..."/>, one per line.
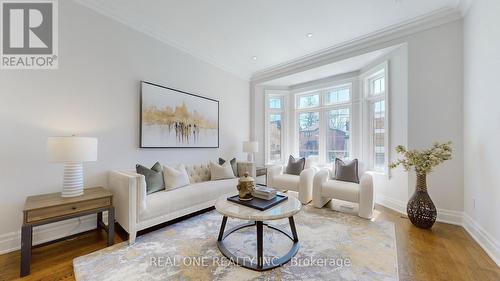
<point x="131" y="237"/>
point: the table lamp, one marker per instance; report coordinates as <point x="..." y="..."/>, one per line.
<point x="250" y="147"/>
<point x="72" y="151"/>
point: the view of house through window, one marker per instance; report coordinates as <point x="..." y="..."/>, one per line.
<point x="337" y="134"/>
<point x="308" y="134"/>
<point x="323" y="121"/>
<point x="275" y="137"/>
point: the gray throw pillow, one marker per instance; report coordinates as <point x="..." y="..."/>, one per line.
<point x="154" y="177"/>
<point x="295" y="166"/>
<point x="346" y="171"/>
<point x="233" y="165"/>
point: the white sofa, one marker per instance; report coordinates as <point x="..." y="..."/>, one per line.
<point x="303" y="184"/>
<point x="134" y="210"/>
<point x="325" y="188"/>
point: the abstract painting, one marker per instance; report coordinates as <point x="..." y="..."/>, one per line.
<point x="174" y="119"/>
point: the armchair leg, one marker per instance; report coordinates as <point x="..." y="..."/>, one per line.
<point x="321" y="202"/>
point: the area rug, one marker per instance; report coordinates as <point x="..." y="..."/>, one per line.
<point x="333" y="246"/>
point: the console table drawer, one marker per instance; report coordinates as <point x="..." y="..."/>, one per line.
<point x="67" y="209"/>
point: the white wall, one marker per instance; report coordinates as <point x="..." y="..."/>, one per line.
<point x="95" y="92"/>
<point x="482" y="124"/>
<point x="435" y="107"/>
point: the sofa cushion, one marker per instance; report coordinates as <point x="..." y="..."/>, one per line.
<point x="234" y="166"/>
<point x="286" y="182"/>
<point x="154" y="177"/>
<point x="165" y="202"/>
<point x="175" y="177"/>
<point x="221" y="172"/>
<point x="343" y="190"/>
<point x="295" y="166"/>
<point x="198" y="173"/>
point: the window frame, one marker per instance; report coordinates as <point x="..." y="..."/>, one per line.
<point x="269" y="94"/>
<point x="370" y="98"/>
<point x="323" y="108"/>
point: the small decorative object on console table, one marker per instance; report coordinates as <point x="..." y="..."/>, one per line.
<point x="286" y="209"/>
<point x="49" y="208"/>
<point x="421" y="210"/>
<point x="72" y="151"/>
<point x="250" y="147"/>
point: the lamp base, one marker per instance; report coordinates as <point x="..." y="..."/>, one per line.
<point x="250" y="157"/>
<point x="73" y="180"/>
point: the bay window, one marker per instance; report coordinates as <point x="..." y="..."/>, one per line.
<point x="323" y="123"/>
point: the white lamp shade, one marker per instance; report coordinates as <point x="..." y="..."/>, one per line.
<point x="71" y="149"/>
<point x="250" y="146"/>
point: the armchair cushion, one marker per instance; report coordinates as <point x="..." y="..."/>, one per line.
<point x="346" y="171"/>
<point x="343" y="190"/>
<point x="286" y="182"/>
<point x="295" y="166"/>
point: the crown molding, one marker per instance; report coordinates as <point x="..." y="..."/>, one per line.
<point x="143" y="28"/>
<point x="465" y="5"/>
<point x="343" y="50"/>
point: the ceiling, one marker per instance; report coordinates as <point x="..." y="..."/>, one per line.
<point x="339" y="67"/>
<point x="229" y="33"/>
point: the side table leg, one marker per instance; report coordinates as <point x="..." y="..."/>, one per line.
<point x="222" y="227"/>
<point x="26" y="237"/>
<point x="99" y="220"/>
<point x="260" y="246"/>
<point x="111" y="226"/>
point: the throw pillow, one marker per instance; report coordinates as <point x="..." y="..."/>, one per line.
<point x="295" y="166"/>
<point x="346" y="171"/>
<point x="175" y="177"/>
<point x="233" y="165"/>
<point x="154" y="177"/>
<point x="221" y="172"/>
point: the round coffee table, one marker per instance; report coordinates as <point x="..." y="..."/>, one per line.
<point x="286" y="209"/>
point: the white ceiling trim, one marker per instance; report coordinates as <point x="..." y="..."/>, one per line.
<point x="465" y="6"/>
<point x="148" y="31"/>
<point x="339" y="51"/>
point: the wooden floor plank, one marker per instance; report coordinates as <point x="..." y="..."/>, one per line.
<point x="446" y="252"/>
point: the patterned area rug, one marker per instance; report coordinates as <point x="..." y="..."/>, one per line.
<point x="334" y="246"/>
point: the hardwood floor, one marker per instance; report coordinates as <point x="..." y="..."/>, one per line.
<point x="446" y="252"/>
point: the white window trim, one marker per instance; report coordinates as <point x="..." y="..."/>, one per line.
<point x="367" y="135"/>
<point x="284" y="123"/>
<point x="323" y="111"/>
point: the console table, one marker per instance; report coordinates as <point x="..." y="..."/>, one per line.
<point x="48" y="208"/>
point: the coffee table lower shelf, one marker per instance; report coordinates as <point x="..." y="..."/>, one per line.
<point x="261" y="264"/>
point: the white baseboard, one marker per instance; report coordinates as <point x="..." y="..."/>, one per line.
<point x="489" y="244"/>
<point x="391" y="203"/>
<point x="444" y="215"/>
<point x="12" y="241"/>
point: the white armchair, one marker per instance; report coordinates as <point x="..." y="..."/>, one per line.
<point x="303" y="184"/>
<point x="325" y="189"/>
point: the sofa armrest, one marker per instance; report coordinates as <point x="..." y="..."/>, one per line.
<point x="306" y="185"/>
<point x="366" y="197"/>
<point x="129" y="197"/>
<point x="319" y="179"/>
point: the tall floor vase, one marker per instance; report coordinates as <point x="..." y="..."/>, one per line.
<point x="421" y="210"/>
